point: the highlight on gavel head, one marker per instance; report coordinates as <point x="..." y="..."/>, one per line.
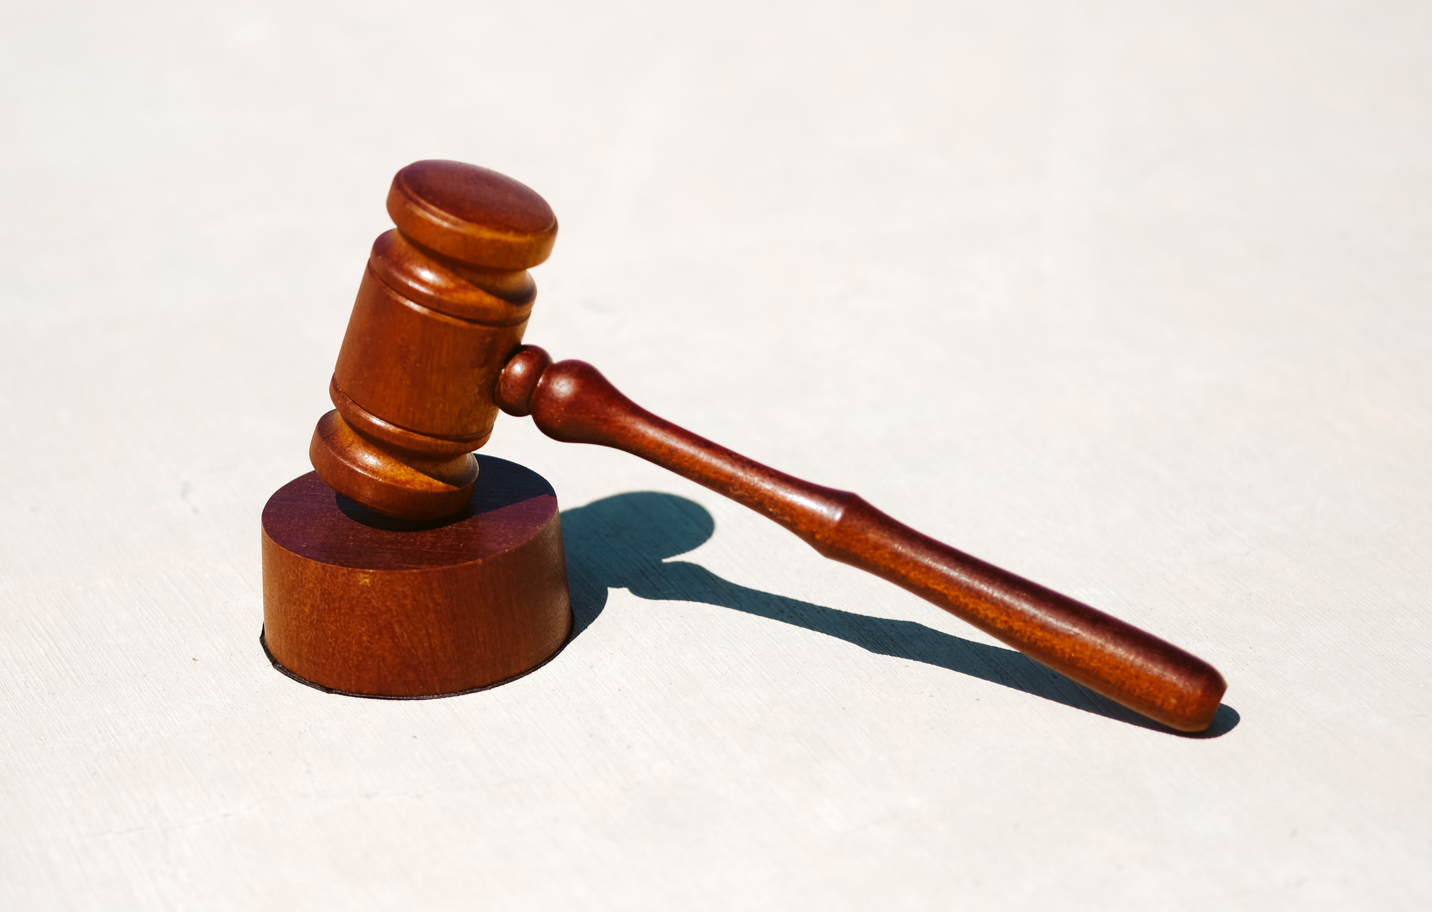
<point x="443" y="303"/>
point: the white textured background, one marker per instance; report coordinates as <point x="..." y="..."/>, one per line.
<point x="1133" y="299"/>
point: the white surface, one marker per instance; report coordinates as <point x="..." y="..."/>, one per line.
<point x="1132" y="299"/>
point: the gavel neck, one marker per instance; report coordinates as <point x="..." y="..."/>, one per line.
<point x="519" y="378"/>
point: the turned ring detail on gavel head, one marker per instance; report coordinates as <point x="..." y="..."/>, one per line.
<point x="443" y="303"/>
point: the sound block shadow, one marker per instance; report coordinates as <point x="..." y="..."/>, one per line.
<point x="626" y="542"/>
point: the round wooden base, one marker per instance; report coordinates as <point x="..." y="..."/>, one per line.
<point x="359" y="602"/>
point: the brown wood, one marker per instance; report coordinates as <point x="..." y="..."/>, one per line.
<point x="443" y="302"/>
<point x="434" y="348"/>
<point x="472" y="214"/>
<point x="571" y="401"/>
<point x="359" y="602"/>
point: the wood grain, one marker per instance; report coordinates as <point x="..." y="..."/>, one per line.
<point x="433" y="349"/>
<point x="443" y="302"/>
<point x="571" y="401"/>
<point x="364" y="603"/>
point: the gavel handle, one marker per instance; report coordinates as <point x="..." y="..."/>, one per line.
<point x="571" y="401"/>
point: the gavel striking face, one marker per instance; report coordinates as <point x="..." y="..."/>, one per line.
<point x="434" y="347"/>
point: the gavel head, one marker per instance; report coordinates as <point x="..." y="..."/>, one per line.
<point x="442" y="306"/>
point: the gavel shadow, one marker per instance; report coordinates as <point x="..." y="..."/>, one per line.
<point x="626" y="542"/>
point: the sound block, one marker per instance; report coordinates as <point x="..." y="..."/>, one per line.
<point x="361" y="603"/>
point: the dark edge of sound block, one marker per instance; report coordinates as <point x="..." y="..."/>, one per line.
<point x="456" y="693"/>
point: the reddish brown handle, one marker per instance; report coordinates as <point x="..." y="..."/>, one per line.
<point x="572" y="401"/>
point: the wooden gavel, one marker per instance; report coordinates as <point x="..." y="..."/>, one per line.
<point x="434" y="348"/>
